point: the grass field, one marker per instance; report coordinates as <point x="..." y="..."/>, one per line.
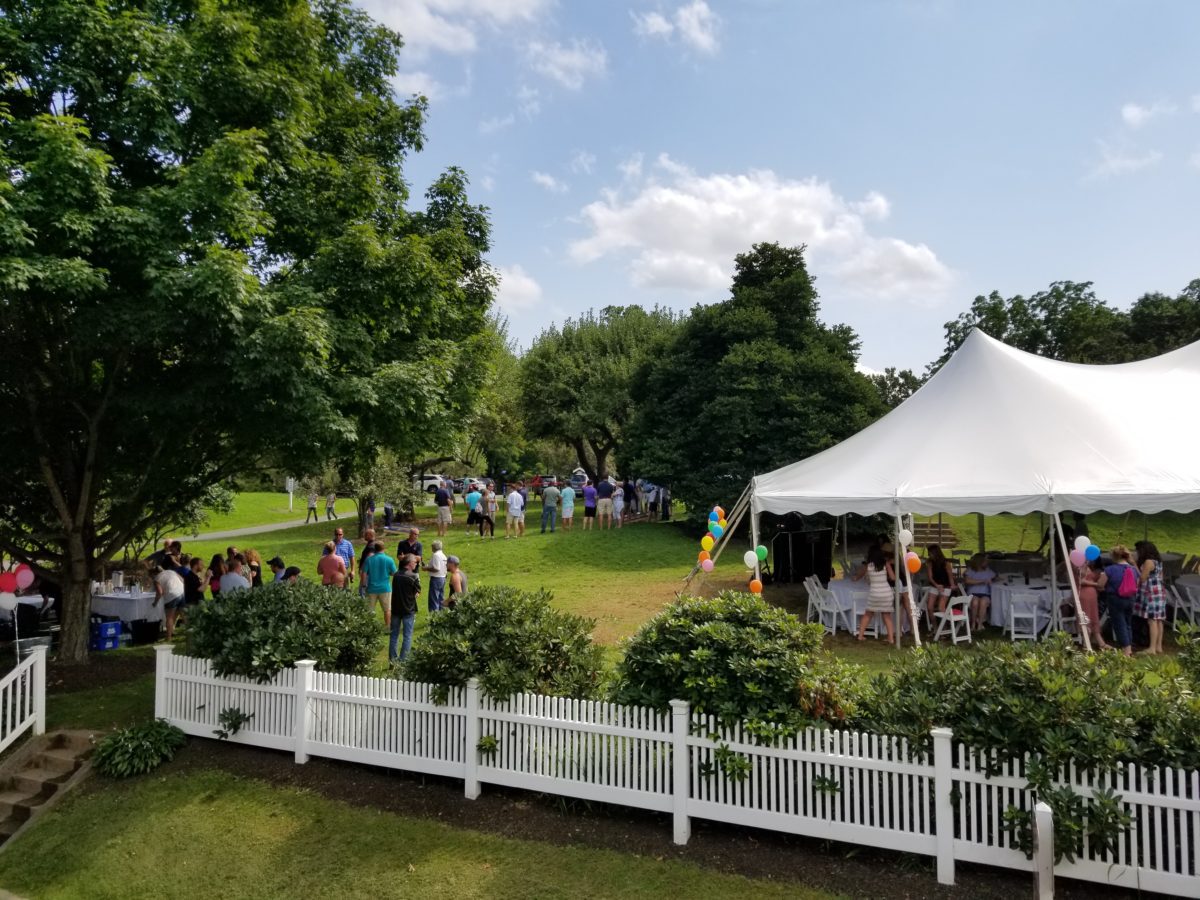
<point x="211" y="834"/>
<point x="262" y="508"/>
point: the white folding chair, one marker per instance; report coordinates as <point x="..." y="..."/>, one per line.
<point x="1068" y="621"/>
<point x="811" y="585"/>
<point x="955" y="619"/>
<point x="1023" y="617"/>
<point x="858" y="601"/>
<point x="1187" y="606"/>
<point x="829" y="611"/>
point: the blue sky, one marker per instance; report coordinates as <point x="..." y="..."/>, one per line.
<point x="926" y="152"/>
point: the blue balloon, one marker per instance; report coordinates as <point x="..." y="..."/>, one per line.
<point x="717" y="531"/>
<point x="713" y="517"/>
<point x="1092" y="553"/>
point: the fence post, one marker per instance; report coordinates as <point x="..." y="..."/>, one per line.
<point x="1043" y="850"/>
<point x="471" y="750"/>
<point x="39" y="690"/>
<point x="304" y="683"/>
<point x="162" y="654"/>
<point x="681" y="781"/>
<point x="943" y="804"/>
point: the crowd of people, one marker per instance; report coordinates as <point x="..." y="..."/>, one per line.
<point x="1124" y="586"/>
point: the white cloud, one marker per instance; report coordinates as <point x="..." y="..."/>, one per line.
<point x="449" y="26"/>
<point x="583" y="162"/>
<point x="529" y="102"/>
<point x="1136" y="115"/>
<point x="866" y="370"/>
<point x="695" y="24"/>
<point x="496" y="123"/>
<point x="408" y="83"/>
<point x="632" y="167"/>
<point x="519" y="292"/>
<point x="488" y="183"/>
<point x="1121" y="160"/>
<point x="568" y="64"/>
<point x="683" y="231"/>
<point x="549" y="182"/>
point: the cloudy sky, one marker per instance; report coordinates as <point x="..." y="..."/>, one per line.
<point x="925" y="150"/>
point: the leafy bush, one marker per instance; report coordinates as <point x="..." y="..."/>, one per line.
<point x="739" y="658"/>
<point x="138" y="749"/>
<point x="257" y="633"/>
<point x="512" y="641"/>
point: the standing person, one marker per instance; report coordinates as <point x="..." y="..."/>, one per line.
<point x="442" y="499"/>
<point x="406" y="587"/>
<point x="378" y="570"/>
<point x="216" y="569"/>
<point x="312" y="507"/>
<point x="193" y="583"/>
<point x="568" y="506"/>
<point x="234" y="580"/>
<point x="437" y="578"/>
<point x="474" y="504"/>
<point x="631" y="501"/>
<point x="330" y="567"/>
<point x="941" y="579"/>
<point x="489" y="506"/>
<point x="411" y="546"/>
<point x="345" y="550"/>
<point x="388" y="512"/>
<point x="367" y="550"/>
<point x="664" y="502"/>
<point x="604" y="503"/>
<point x="1089" y="598"/>
<point x="254" y="566"/>
<point x="589" y="505"/>
<point x="978" y="580"/>
<point x="1120" y="589"/>
<point x="231" y="553"/>
<point x="330" y="503"/>
<point x="619" y="503"/>
<point x="879" y="595"/>
<point x="514" y="519"/>
<point x="456" y="580"/>
<point x="1152" y="598"/>
<point x="550" y="498"/>
<point x="276" y="566"/>
<point x="650" y="492"/>
<point x="168" y="587"/>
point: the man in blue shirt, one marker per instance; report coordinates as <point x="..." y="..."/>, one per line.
<point x="472" y="500"/>
<point x="604" y="503"/>
<point x="443" y="499"/>
<point x="345" y="550"/>
<point x="377" y="572"/>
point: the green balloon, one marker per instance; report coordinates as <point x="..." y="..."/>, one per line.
<point x="760" y="551"/>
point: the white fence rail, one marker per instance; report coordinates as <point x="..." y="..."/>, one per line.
<point x="864" y="789"/>
<point x="23" y="699"/>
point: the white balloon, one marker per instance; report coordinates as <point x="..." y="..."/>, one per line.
<point x="750" y="559"/>
<point x="8" y="602"/>
<point x="1082" y="542"/>
<point x="905" y="537"/>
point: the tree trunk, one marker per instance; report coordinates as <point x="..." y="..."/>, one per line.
<point x="76" y="612"/>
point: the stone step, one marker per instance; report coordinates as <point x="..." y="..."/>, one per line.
<point x="80" y="743"/>
<point x="36" y="780"/>
<point x="20" y="804"/>
<point x="57" y="760"/>
<point x="8" y="827"/>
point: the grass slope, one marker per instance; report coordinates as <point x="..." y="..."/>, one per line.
<point x="211" y="834"/>
<point x="264" y="508"/>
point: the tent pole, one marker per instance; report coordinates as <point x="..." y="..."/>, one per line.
<point x="912" y="610"/>
<point x="754" y="536"/>
<point x="1084" y="631"/>
<point x="982" y="542"/>
<point x="1055" y="617"/>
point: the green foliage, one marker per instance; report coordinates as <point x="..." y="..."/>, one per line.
<point x="576" y="379"/>
<point x="895" y="386"/>
<point x="1188" y="657"/>
<point x="758" y="381"/>
<point x="257" y="633"/>
<point x="740" y="659"/>
<point x="513" y="641"/>
<point x="231" y="720"/>
<point x="488" y="745"/>
<point x="137" y="749"/>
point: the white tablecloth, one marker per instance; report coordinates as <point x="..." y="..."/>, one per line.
<point x="852" y="596"/>
<point x="1002" y="595"/>
<point x="128" y="607"/>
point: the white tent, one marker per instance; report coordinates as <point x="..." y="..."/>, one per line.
<point x="1000" y="430"/>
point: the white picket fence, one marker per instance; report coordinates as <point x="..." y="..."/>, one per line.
<point x="863" y="789"/>
<point x="23" y="699"/>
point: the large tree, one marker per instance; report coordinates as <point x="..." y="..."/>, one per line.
<point x="747" y="385"/>
<point x="575" y="380"/>
<point x="206" y="263"/>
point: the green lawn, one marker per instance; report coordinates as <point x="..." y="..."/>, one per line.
<point x="1179" y="532"/>
<point x="211" y="834"/>
<point x="263" y="508"/>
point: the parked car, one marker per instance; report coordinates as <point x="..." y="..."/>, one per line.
<point x="540" y="482"/>
<point x="430" y="484"/>
<point x="463" y="485"/>
<point x="578" y="480"/>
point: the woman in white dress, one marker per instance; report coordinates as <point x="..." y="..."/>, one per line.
<point x="879" y="597"/>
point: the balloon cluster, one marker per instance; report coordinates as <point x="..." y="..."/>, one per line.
<point x="10" y="582"/>
<point x="752" y="558"/>
<point x="912" y="562"/>
<point x="1085" y="551"/>
<point x="716" y="528"/>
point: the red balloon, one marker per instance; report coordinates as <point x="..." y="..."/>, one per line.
<point x="8" y="582"/>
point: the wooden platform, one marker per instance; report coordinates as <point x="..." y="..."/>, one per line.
<point x="928" y="533"/>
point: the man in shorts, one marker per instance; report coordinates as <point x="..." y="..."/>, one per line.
<point x="514" y="522"/>
<point x="377" y="572"/>
<point x="443" y="500"/>
<point x="604" y="503"/>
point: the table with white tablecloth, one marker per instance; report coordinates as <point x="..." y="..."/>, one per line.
<point x="1002" y="593"/>
<point x="852" y="597"/>
<point x="128" y="607"/>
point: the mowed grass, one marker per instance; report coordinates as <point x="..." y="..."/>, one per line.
<point x="264" y="508"/>
<point x="212" y="834"/>
<point x="1177" y="532"/>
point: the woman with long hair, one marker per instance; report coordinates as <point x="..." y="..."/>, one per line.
<point x="879" y="595"/>
<point x="1151" y="603"/>
<point x="1089" y="598"/>
<point x="212" y="577"/>
<point x="941" y="579"/>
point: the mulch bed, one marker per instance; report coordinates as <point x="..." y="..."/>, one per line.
<point x="100" y="670"/>
<point x="841" y="868"/>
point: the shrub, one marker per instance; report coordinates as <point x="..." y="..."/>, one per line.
<point x="257" y="633"/>
<point x="512" y="641"/>
<point x="138" y="749"/>
<point x="740" y="659"/>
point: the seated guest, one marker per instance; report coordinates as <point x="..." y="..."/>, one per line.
<point x="941" y="579"/>
<point x="978" y="578"/>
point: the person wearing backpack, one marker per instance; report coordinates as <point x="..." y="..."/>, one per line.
<point x="1119" y="581"/>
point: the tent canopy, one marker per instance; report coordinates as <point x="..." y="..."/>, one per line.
<point x="1001" y="430"/>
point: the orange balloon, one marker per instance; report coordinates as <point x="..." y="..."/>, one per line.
<point x="720" y="513"/>
<point x="756" y="586"/>
<point x="913" y="564"/>
<point x="703" y="556"/>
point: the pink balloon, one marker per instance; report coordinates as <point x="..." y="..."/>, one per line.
<point x="1077" y="557"/>
<point x="707" y="565"/>
<point x="24" y="576"/>
<point x="8" y="582"/>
